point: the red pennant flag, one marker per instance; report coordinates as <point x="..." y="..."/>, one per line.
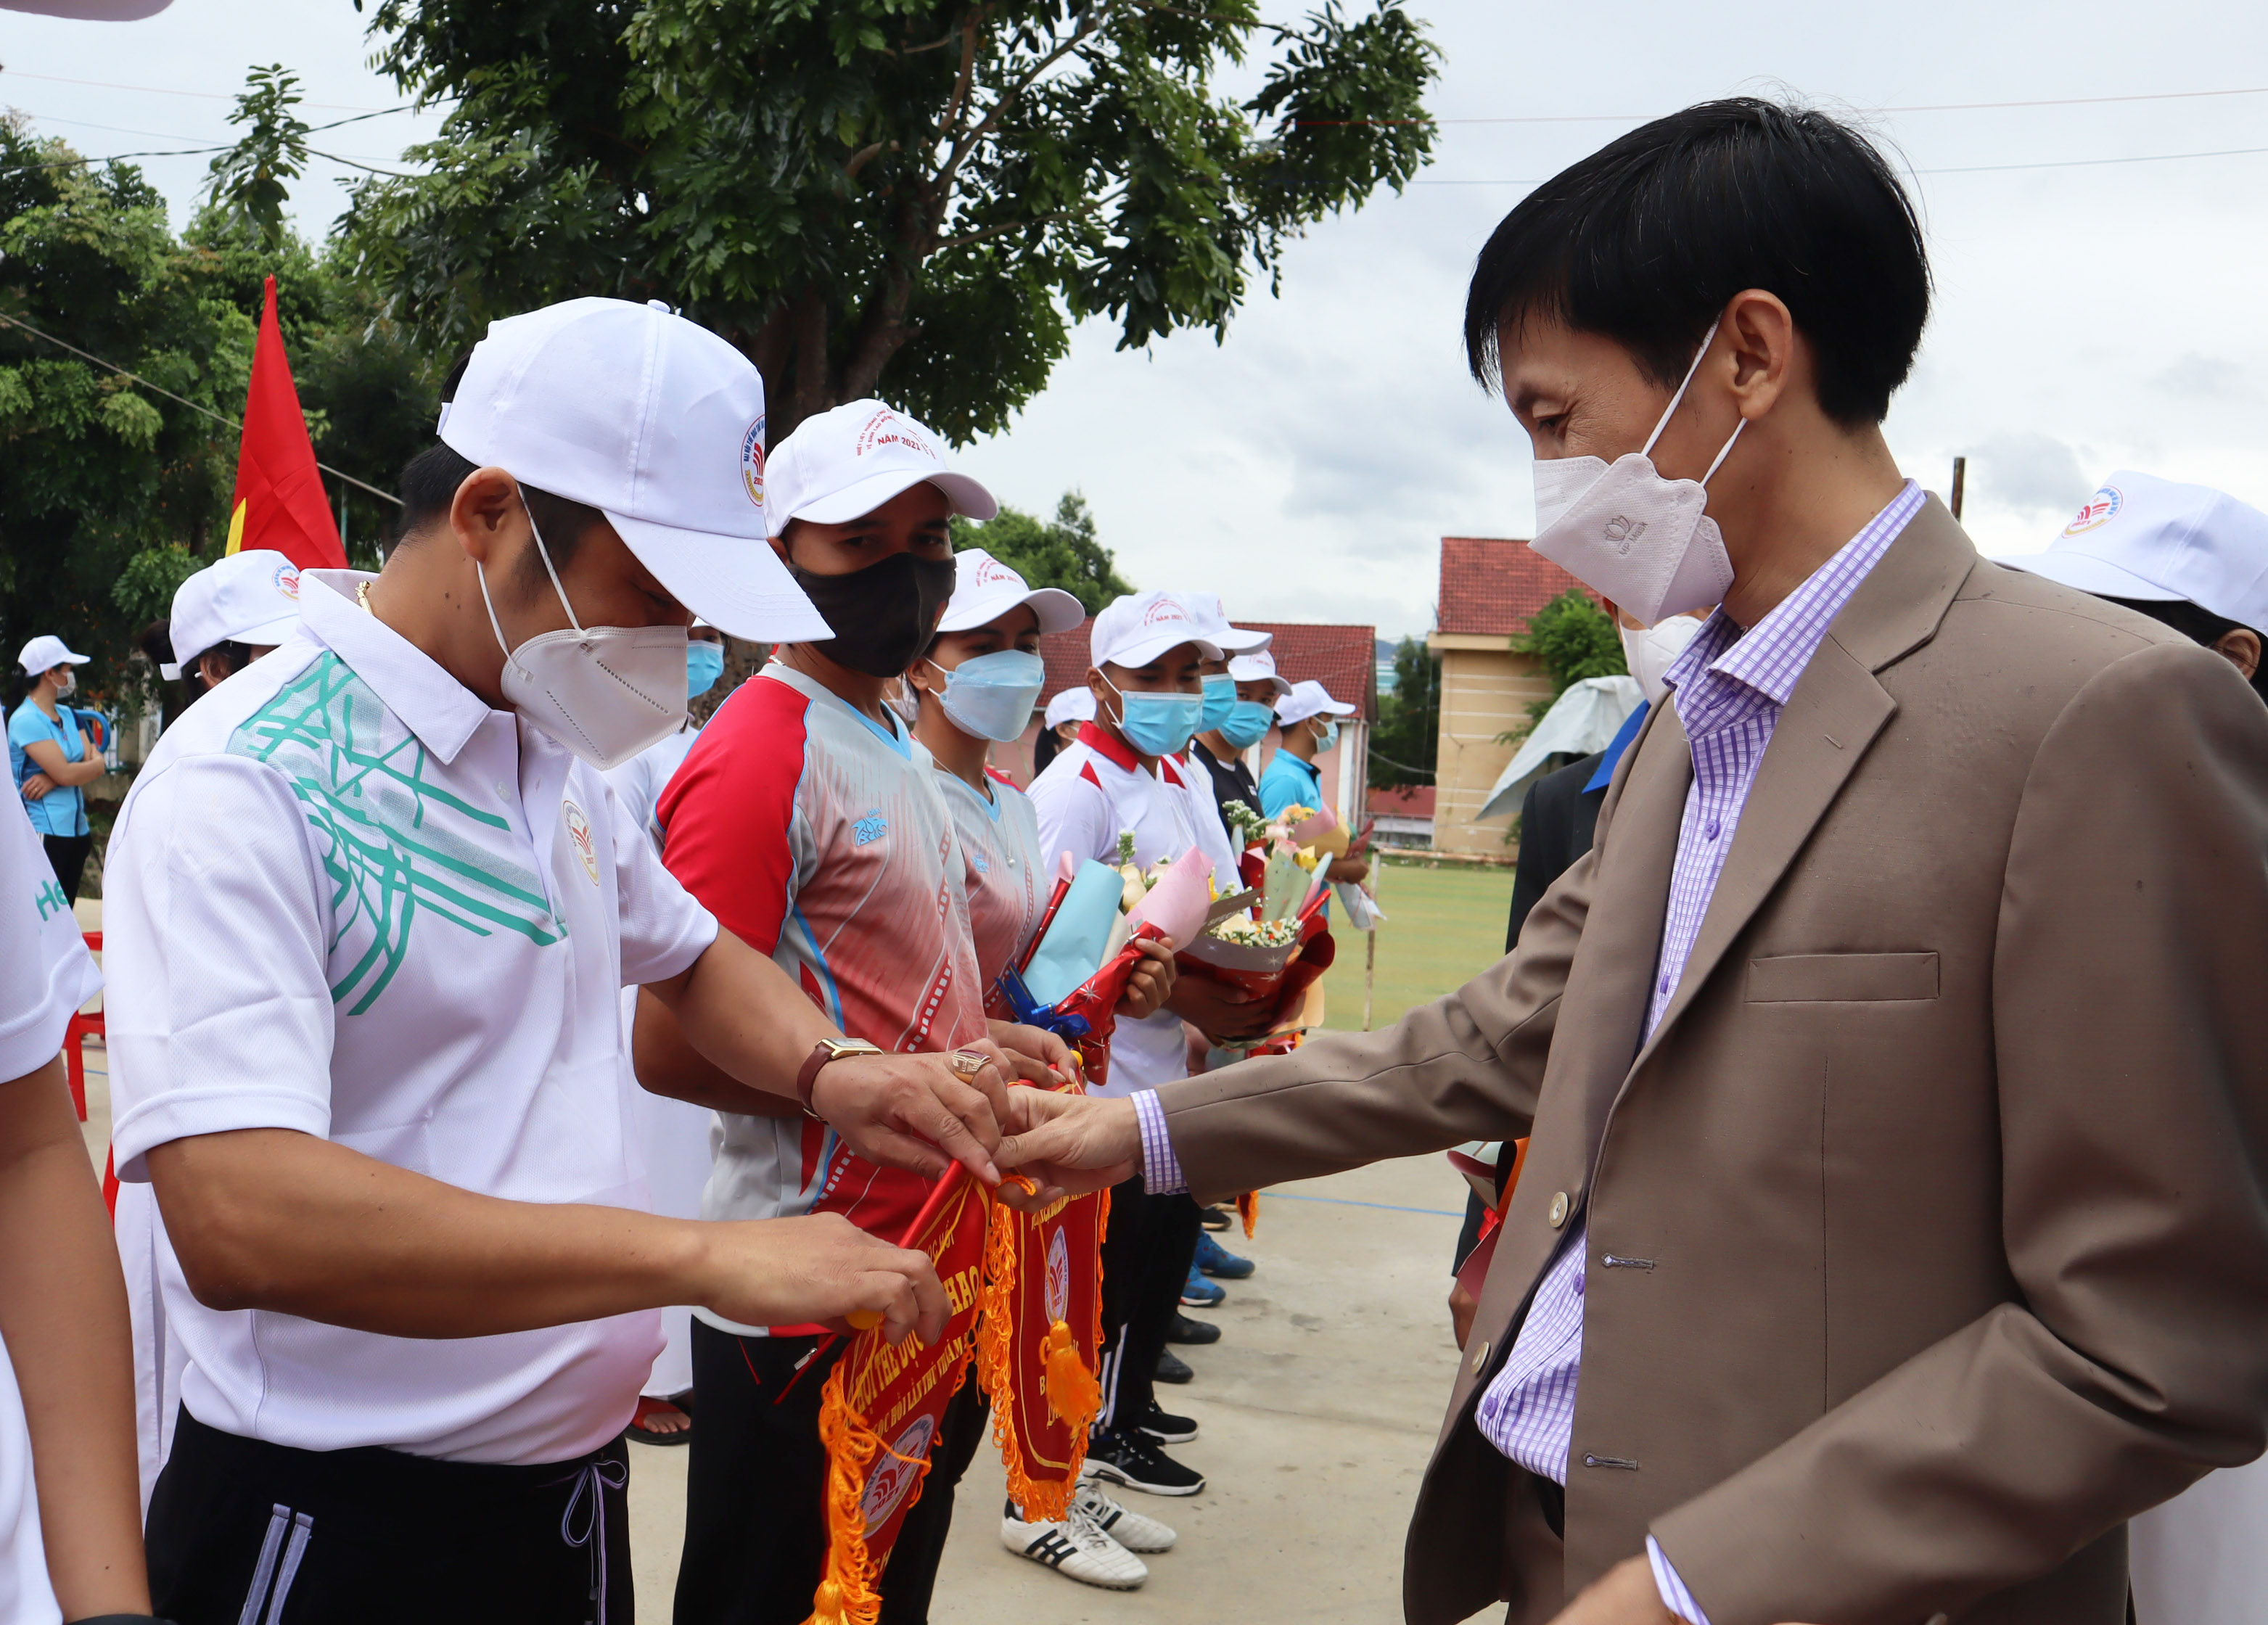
<point x="279" y="501"/>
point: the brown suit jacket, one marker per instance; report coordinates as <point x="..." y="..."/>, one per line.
<point x="1937" y="1197"/>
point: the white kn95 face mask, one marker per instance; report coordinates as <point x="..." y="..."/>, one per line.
<point x="1630" y="534"/>
<point x="604" y="692"/>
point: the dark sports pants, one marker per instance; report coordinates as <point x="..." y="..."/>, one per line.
<point x="241" y="1530"/>
<point x="756" y="1527"/>
<point x="67" y="857"/>
<point x="1147" y="1253"/>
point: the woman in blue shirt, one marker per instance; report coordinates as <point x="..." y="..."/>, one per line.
<point x="51" y="754"/>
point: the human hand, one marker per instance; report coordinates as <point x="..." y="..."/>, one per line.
<point x="1074" y="1144"/>
<point x="1623" y="1595"/>
<point x="819" y="1268"/>
<point x="1152" y="983"/>
<point x="1462" y="1306"/>
<point x="1033" y="1054"/>
<point x="1221" y="1012"/>
<point x="36" y="786"/>
<point x="1353" y="871"/>
<point x="917" y="1112"/>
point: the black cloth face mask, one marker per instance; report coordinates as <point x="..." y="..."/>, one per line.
<point x="882" y="615"/>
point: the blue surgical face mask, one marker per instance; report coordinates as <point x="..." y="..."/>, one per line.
<point x="1248" y="724"/>
<point x="705" y="663"/>
<point x="991" y="696"/>
<point x="1158" y="725"/>
<point x="1219" y="698"/>
<point x="1331" y="736"/>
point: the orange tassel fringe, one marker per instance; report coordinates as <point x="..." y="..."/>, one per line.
<point x="1248" y="1209"/>
<point x="846" y="1594"/>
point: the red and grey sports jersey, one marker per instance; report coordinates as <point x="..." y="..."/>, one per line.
<point x="818" y="836"/>
<point x="1008" y="885"/>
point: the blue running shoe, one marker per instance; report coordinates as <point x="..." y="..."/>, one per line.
<point x="1216" y="1260"/>
<point x="1200" y="1293"/>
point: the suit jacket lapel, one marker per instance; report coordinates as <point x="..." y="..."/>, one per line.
<point x="1833" y="715"/>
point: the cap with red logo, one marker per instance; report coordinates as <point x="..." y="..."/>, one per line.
<point x="984" y="590"/>
<point x="2142" y="537"/>
<point x="1136" y="629"/>
<point x="251" y="597"/>
<point x="843" y="464"/>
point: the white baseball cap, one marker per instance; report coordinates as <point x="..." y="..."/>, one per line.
<point x="658" y="424"/>
<point x="48" y="652"/>
<point x="1072" y="705"/>
<point x="1309" y="699"/>
<point x="1136" y="629"/>
<point x="251" y="597"/>
<point x="984" y="590"/>
<point x="2142" y="537"/>
<point x="850" y="461"/>
<point x="1233" y="640"/>
<point x="1259" y="667"/>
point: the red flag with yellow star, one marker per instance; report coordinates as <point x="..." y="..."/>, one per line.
<point x="279" y="501"/>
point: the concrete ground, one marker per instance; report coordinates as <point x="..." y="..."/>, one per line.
<point x="1317" y="1411"/>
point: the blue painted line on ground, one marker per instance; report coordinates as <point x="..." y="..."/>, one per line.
<point x="1348" y="1201"/>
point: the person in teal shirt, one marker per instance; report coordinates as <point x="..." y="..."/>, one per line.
<point x="51" y="753"/>
<point x="1309" y="718"/>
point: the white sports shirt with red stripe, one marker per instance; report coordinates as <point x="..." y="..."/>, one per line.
<point x="818" y="835"/>
<point x="1095" y="787"/>
<point x="1008" y="885"/>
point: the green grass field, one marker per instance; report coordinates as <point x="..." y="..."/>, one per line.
<point x="1443" y="925"/>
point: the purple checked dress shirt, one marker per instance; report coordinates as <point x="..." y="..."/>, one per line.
<point x="1730" y="690"/>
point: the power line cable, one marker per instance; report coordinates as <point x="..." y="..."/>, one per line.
<point x="1963" y="169"/>
<point x="1927" y="107"/>
<point x="159" y="90"/>
<point x="137" y="378"/>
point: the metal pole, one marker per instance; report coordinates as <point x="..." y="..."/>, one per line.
<point x="1369" y="948"/>
<point x="1959" y="479"/>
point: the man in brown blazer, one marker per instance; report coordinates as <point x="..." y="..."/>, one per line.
<point x="1896" y="1062"/>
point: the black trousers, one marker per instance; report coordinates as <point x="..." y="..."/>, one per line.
<point x="242" y="1530"/>
<point x="755" y="1525"/>
<point x="67" y="857"/>
<point x="1147" y="1253"/>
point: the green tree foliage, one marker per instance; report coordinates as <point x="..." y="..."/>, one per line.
<point x="913" y="199"/>
<point x="110" y="493"/>
<point x="1063" y="554"/>
<point x="1406" y="745"/>
<point x="1574" y="639"/>
<point x="251" y="180"/>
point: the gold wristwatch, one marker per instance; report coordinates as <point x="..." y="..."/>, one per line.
<point x="826" y="1050"/>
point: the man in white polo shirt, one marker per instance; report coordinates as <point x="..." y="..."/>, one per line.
<point x="370" y="905"/>
<point x="1147" y="651"/>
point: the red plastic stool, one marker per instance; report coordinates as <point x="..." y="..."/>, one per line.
<point x="83" y="1026"/>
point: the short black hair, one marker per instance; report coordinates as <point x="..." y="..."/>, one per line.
<point x="1646" y="241"/>
<point x="429" y="484"/>
<point x="2199" y="625"/>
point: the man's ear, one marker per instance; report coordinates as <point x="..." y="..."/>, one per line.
<point x="2241" y="647"/>
<point x="1762" y="350"/>
<point x="487" y="511"/>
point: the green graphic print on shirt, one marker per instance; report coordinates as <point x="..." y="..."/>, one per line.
<point x="399" y="845"/>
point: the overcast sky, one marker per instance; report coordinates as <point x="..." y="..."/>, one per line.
<point x="2089" y="318"/>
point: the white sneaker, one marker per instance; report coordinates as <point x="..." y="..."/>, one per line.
<point x="1130" y="1529"/>
<point x="1076" y="1547"/>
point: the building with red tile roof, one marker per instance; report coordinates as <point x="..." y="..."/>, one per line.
<point x="1491" y="585"/>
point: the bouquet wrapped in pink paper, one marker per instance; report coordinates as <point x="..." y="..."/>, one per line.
<point x="1272" y="939"/>
<point x="1092" y="920"/>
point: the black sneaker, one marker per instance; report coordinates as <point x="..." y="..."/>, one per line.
<point x="1167" y="1428"/>
<point x="1130" y="1460"/>
<point x="1185" y="1330"/>
<point x="1212" y="1218"/>
<point x="1172" y="1367"/>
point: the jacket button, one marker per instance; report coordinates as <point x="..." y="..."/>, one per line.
<point x="1558" y="1216"/>
<point x="1480" y="1356"/>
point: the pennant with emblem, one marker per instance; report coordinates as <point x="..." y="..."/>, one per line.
<point x="1039" y="1347"/>
<point x="883" y="1404"/>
